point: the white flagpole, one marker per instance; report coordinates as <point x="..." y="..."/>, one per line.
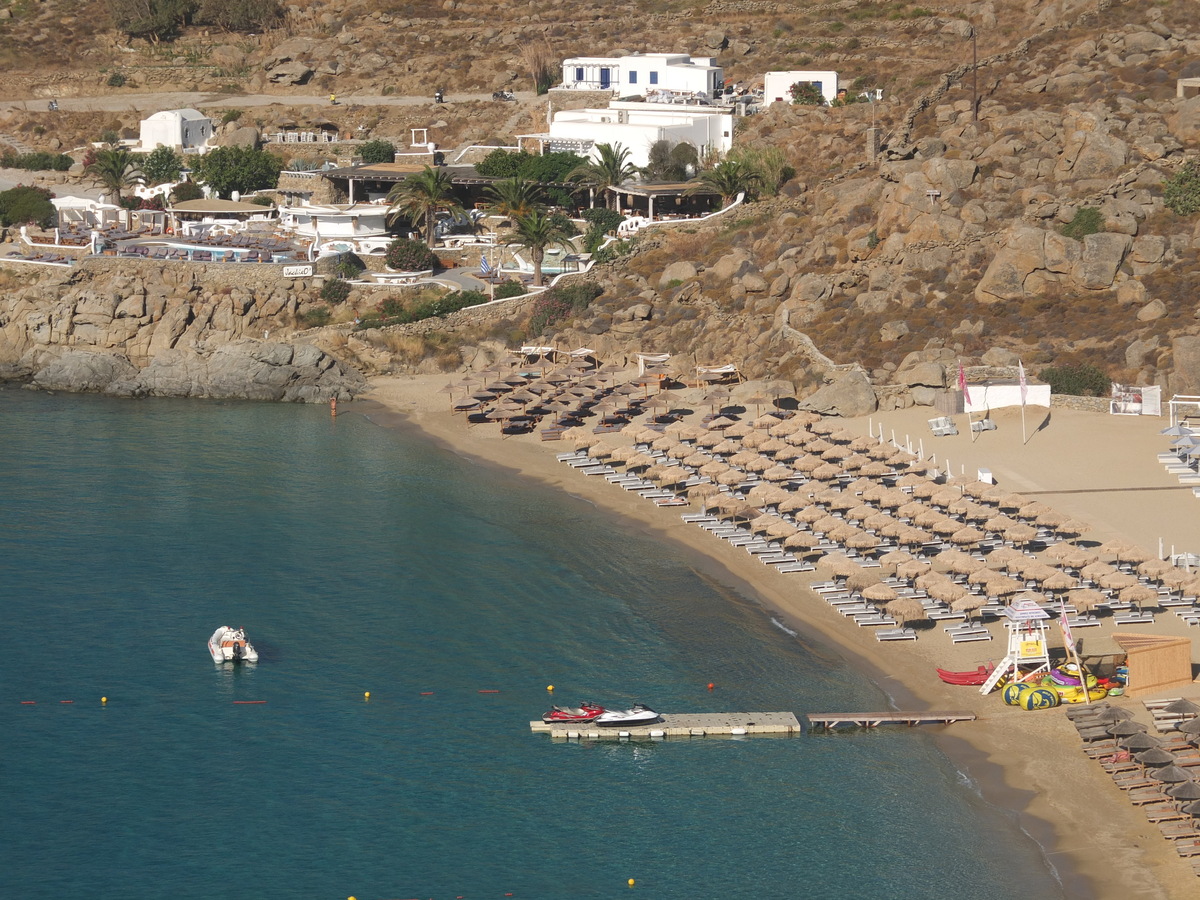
<point x="1021" y="376"/>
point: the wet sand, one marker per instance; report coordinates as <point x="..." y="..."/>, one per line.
<point x="1101" y="469"/>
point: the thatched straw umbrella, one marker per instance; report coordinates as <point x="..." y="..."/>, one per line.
<point x="1059" y="581"/>
<point x="863" y="579"/>
<point x="959" y="562"/>
<point x="1085" y="599"/>
<point x="839" y="565"/>
<point x="842" y="533"/>
<point x="1117" y="581"/>
<point x="1138" y="595"/>
<point x="827" y="472"/>
<point x="781" y="529"/>
<point x="912" y="569"/>
<point x="946" y="591"/>
<point x="967" y="536"/>
<point x="864" y="540"/>
<point x="967" y="603"/>
<point x="1020" y="533"/>
<point x="912" y="537"/>
<point x="801" y="540"/>
<point x="905" y="610"/>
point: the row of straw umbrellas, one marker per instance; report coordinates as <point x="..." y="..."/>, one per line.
<point x="811" y="484"/>
<point x="1159" y="772"/>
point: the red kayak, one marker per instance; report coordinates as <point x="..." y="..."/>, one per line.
<point x="979" y="676"/>
<point x="585" y="712"/>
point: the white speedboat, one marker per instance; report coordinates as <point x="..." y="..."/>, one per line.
<point x="638" y="714"/>
<point x="230" y="645"/>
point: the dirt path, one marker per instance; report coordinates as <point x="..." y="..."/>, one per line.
<point x="195" y="99"/>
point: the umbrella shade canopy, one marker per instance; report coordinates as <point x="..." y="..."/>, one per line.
<point x="1125" y="728"/>
<point x="1116" y="714"/>
<point x="1156" y="756"/>
<point x="912" y="568"/>
<point x="840" y="565"/>
<point x="967" y="603"/>
<point x="1170" y="775"/>
<point x="879" y="593"/>
<point x="1086" y="598"/>
<point x="1185" y="790"/>
<point x="905" y="609"/>
<point x="949" y="592"/>
<point x="1182" y="708"/>
<point x="1140" y="741"/>
<point x="1192" y="808"/>
<point x="1139" y="594"/>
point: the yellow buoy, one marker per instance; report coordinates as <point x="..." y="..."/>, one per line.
<point x="550" y="688"/>
<point x="103" y="699"/>
<point x="366" y="695"/>
<point x="631" y="882"/>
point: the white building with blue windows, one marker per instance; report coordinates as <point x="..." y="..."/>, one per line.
<point x="644" y="74"/>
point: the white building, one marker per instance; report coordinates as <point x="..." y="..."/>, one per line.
<point x="185" y="130"/>
<point x="339" y="228"/>
<point x="636" y="127"/>
<point x="777" y="86"/>
<point x="642" y="73"/>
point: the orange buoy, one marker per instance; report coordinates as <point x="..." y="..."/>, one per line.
<point x="711" y="685"/>
<point x="426" y="693"/>
<point x="489" y="692"/>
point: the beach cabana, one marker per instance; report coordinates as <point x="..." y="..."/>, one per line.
<point x="1156" y="662"/>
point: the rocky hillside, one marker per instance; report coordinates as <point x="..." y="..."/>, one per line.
<point x="1016" y="214"/>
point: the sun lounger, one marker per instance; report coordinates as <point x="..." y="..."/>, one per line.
<point x="876" y="621"/>
<point x="789" y="568"/>
<point x="1132" y="618"/>
<point x="896" y="634"/>
<point x="943" y="426"/>
<point x="963" y="637"/>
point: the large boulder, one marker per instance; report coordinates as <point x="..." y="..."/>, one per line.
<point x="1185" y="355"/>
<point x="1102" y="257"/>
<point x="847" y="394"/>
<point x="83" y="371"/>
<point x="680" y="270"/>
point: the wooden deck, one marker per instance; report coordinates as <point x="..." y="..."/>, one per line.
<point x="829" y="721"/>
<point x="681" y="725"/>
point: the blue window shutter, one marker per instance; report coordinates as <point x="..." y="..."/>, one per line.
<point x="579" y="73"/>
<point x="654" y="78"/>
<point x="633" y="77"/>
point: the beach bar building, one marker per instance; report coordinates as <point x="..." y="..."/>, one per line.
<point x="1156" y="662"/>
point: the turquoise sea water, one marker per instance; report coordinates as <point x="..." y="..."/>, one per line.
<point x="366" y="559"/>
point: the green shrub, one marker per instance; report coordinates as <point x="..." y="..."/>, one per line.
<point x="805" y="94"/>
<point x="1181" y="192"/>
<point x="507" y="289"/>
<point x="24" y="205"/>
<point x="601" y="222"/>
<point x="1078" y="381"/>
<point x="316" y="317"/>
<point x="1088" y="220"/>
<point x="615" y="250"/>
<point x="38" y="161"/>
<point x="348" y="266"/>
<point x="335" y="291"/>
<point x="116" y="79"/>
<point x="185" y="191"/>
<point x="560" y="302"/>
<point x="230" y="115"/>
<point x="406" y="255"/>
<point x="373" y="152"/>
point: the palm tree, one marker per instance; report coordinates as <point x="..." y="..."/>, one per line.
<point x="728" y="178"/>
<point x="610" y="169"/>
<point x="515" y="197"/>
<point x="115" y="168"/>
<point x="536" y="230"/>
<point x="420" y="197"/>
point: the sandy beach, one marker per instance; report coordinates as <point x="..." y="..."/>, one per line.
<point x="1100" y="469"/>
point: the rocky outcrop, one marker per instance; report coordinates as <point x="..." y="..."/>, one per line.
<point x="138" y="330"/>
<point x="847" y="393"/>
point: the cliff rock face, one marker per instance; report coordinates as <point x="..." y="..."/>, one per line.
<point x="169" y="332"/>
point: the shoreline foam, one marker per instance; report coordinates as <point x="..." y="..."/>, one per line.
<point x="1098" y="844"/>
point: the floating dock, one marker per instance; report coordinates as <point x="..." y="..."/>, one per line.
<point x="680" y="725"/>
<point x="830" y="721"/>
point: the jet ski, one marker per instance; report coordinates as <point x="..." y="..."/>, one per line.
<point x="638" y="714"/>
<point x="585" y="712"/>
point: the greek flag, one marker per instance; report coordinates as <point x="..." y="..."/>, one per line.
<point x="484" y="268"/>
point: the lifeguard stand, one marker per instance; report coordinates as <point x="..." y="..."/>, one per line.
<point x="1027" y="648"/>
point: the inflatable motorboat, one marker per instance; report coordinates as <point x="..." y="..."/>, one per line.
<point x="230" y="645"/>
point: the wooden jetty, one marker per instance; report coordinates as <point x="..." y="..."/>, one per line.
<point x="830" y="721"/>
<point x="680" y="725"/>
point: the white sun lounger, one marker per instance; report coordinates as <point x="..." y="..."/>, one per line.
<point x="896" y="634"/>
